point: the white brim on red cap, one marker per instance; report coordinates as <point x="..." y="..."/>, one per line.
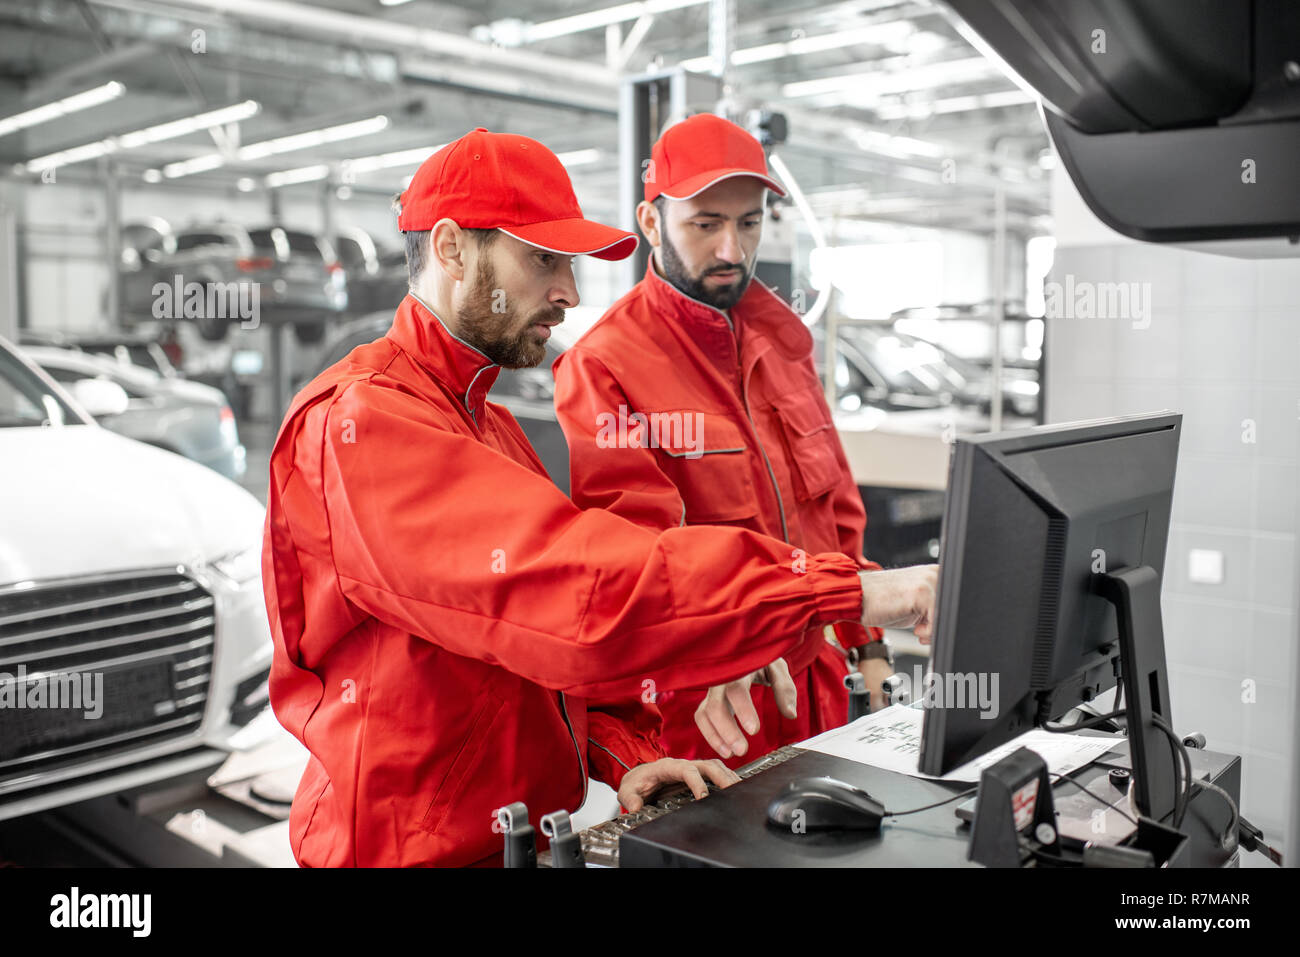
<point x="694" y="185"/>
<point x="576" y="237"/>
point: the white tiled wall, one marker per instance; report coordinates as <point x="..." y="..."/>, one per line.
<point x="1223" y="348"/>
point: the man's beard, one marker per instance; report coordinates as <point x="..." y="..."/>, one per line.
<point x="719" y="297"/>
<point x="499" y="334"/>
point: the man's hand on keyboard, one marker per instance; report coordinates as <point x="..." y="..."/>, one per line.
<point x="717" y="715"/>
<point x="644" y="780"/>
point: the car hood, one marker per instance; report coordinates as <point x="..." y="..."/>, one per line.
<point x="192" y="392"/>
<point x="80" y="500"/>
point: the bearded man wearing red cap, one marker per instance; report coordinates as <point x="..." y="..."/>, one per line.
<point x="441" y="612"/>
<point x="699" y="337"/>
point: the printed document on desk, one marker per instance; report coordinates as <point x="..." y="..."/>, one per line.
<point x="891" y="739"/>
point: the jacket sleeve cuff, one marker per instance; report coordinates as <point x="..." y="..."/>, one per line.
<point x="835" y="583"/>
<point x="618" y="751"/>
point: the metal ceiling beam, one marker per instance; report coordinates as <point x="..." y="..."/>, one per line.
<point x="299" y="17"/>
<point x="508" y="86"/>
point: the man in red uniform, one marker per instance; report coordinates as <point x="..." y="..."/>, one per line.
<point x="441" y="610"/>
<point x="698" y="339"/>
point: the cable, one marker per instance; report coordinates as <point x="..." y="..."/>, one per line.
<point x="1251" y="838"/>
<point x="1229" y="840"/>
<point x="1080" y="725"/>
<point x="917" y="810"/>
<point x="1096" y="797"/>
<point x="1184" y="794"/>
<point x="814" y="230"/>
<point x="1058" y="859"/>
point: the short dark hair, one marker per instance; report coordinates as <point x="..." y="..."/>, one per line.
<point x="417" y="245"/>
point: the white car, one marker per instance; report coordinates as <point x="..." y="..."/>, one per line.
<point x="134" y="644"/>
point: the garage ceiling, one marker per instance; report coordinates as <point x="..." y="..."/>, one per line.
<point x="894" y="116"/>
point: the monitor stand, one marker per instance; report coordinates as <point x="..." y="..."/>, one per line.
<point x="1135" y="593"/>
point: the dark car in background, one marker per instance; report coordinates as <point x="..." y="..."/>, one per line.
<point x="963" y="333"/>
<point x="268" y="274"/>
<point x="1020" y="387"/>
<point x="308" y="282"/>
<point x="875" y="366"/>
<point x="376" y="277"/>
<point x="135" y="349"/>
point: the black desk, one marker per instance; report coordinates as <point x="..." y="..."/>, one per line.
<point x="730" y="829"/>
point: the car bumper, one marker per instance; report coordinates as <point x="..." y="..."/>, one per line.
<point x="241" y="660"/>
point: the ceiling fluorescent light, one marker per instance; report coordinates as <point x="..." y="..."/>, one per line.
<point x="890" y="34"/>
<point x="142" y="137"/>
<point x="874" y="141"/>
<point x="190" y="124"/>
<point x="299" y="141"/>
<point x="412" y="157"/>
<point x="381" y="161"/>
<point x="303" y="174"/>
<point x="900" y="80"/>
<point x="78" y="154"/>
<point x="359" y="164"/>
<point x="956" y="104"/>
<point x="878" y="34"/>
<point x="598" y="19"/>
<point x="69" y="104"/>
<point x="282" y="144"/>
<point x="199" y="164"/>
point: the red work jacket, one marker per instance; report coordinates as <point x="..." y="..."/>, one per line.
<point x="441" y="611"/>
<point x="763" y="455"/>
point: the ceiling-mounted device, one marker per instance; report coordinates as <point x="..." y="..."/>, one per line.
<point x="1178" y="120"/>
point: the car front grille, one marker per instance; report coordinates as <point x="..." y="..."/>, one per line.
<point x="135" y="647"/>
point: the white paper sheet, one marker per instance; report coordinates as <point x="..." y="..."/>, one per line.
<point x="891" y="739"/>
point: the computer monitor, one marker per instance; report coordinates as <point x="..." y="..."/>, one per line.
<point x="1052" y="549"/>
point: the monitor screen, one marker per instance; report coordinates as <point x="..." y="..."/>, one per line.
<point x="1033" y="517"/>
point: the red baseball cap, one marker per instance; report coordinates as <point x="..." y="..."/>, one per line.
<point x="699" y="151"/>
<point x="512" y="183"/>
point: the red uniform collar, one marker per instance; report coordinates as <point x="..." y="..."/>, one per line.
<point x="465" y="371"/>
<point x="760" y="311"/>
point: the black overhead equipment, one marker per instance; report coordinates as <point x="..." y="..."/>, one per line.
<point x="1178" y="120"/>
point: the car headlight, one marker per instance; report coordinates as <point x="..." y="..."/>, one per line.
<point x="241" y="567"/>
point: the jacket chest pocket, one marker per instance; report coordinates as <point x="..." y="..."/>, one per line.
<point x="712" y="473"/>
<point x="811" y="441"/>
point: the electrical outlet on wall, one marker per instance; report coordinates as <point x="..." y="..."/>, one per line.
<point x="1205" y="566"/>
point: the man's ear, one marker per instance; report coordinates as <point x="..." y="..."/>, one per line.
<point x="449" y="248"/>
<point x="647" y="217"/>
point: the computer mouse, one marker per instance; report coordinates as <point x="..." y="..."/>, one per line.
<point x="823" y="803"/>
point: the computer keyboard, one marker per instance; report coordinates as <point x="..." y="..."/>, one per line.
<point x="600" y="843"/>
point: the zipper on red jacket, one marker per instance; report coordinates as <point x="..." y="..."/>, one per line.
<point x="780" y="504"/>
<point x="744" y="399"/>
<point x="582" y="768"/>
